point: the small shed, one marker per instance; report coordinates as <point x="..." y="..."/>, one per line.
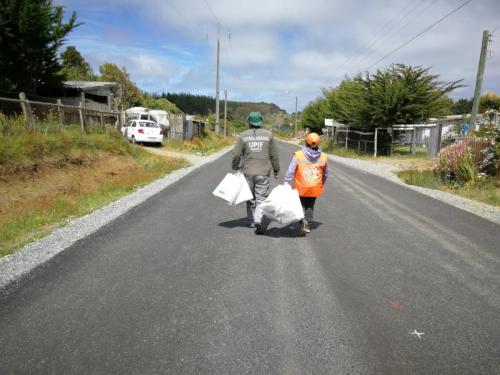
<point x="95" y="95"/>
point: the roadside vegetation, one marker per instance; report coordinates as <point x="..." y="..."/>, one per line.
<point x="208" y="143"/>
<point x="469" y="167"/>
<point x="49" y="175"/>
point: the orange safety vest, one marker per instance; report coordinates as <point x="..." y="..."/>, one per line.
<point x="309" y="175"/>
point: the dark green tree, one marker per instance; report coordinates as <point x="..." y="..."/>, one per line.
<point x="31" y="31"/>
<point x="313" y="116"/>
<point x="462" y="106"/>
<point x="74" y="66"/>
<point x="399" y="94"/>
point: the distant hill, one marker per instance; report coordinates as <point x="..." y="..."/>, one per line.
<point x="205" y="105"/>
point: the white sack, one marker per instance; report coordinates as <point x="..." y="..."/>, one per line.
<point x="283" y="205"/>
<point x="233" y="189"/>
<point x="229" y="188"/>
<point x="245" y="193"/>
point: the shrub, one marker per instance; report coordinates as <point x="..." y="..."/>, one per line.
<point x="467" y="159"/>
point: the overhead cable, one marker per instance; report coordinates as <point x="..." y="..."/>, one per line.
<point x="419" y="34"/>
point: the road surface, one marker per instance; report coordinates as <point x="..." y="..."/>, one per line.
<point x="389" y="282"/>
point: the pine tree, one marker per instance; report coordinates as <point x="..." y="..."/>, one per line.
<point x="31" y="32"/>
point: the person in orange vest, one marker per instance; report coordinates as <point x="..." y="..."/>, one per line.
<point x="308" y="170"/>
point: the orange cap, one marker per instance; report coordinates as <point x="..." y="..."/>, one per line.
<point x="313" y="139"/>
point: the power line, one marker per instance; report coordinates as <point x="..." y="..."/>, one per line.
<point x="213" y="13"/>
<point x="378" y="35"/>
<point x="419" y="34"/>
<point x="396" y="32"/>
<point x="183" y="17"/>
<point x="383" y="36"/>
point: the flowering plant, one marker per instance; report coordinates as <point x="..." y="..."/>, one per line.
<point x="467" y="159"/>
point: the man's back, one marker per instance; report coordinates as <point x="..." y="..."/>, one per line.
<point x="257" y="152"/>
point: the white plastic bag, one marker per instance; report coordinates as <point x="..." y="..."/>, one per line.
<point x="245" y="193"/>
<point x="283" y="205"/>
<point x="233" y="189"/>
<point x="228" y="188"/>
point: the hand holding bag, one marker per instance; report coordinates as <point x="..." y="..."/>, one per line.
<point x="283" y="205"/>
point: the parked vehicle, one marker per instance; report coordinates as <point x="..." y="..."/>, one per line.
<point x="142" y="113"/>
<point x="143" y="131"/>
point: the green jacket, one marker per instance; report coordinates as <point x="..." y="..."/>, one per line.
<point x="256" y="153"/>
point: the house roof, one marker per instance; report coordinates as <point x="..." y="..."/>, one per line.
<point x="89" y="85"/>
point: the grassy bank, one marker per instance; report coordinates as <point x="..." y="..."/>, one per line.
<point x="207" y="144"/>
<point x="48" y="178"/>
<point x="486" y="191"/>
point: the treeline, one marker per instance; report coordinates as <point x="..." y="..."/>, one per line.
<point x="204" y="105"/>
<point x="488" y="101"/>
<point x="191" y="103"/>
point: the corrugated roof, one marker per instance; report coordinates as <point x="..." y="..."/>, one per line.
<point x="89" y="85"/>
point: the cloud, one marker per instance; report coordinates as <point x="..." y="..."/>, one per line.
<point x="282" y="48"/>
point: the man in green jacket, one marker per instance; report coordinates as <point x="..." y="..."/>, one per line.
<point x="256" y="154"/>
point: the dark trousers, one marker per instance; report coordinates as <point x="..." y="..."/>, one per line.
<point x="308" y="207"/>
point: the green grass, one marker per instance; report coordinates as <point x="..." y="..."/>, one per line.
<point x="209" y="143"/>
<point x="486" y="190"/>
<point x="404" y="151"/>
<point x="420" y="178"/>
<point x="58" y="151"/>
<point x="339" y="150"/>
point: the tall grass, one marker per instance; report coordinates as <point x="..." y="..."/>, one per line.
<point x="20" y="146"/>
<point x="208" y="143"/>
<point x="29" y="211"/>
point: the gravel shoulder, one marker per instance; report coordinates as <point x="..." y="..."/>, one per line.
<point x="20" y="265"/>
<point x="388" y="172"/>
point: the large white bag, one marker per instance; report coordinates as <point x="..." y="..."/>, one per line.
<point x="283" y="205"/>
<point x="233" y="188"/>
<point x="245" y="193"/>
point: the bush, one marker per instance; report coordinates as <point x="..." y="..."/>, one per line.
<point x="467" y="160"/>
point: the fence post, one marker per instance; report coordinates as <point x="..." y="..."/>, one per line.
<point x="346" y="137"/>
<point x="102" y="121"/>
<point x="80" y="112"/>
<point x="25" y="105"/>
<point x="375" y="146"/>
<point x="413" y="147"/>
<point x="59" y="111"/>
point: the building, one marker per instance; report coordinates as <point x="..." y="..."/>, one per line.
<point x="94" y="94"/>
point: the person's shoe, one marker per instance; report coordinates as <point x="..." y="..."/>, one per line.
<point x="259" y="229"/>
<point x="304" y="227"/>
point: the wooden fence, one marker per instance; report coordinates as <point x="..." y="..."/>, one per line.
<point x="64" y="114"/>
<point x="55" y="110"/>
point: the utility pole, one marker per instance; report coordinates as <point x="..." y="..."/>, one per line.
<point x="225" y="113"/>
<point x="296" y="116"/>
<point x="217" y="121"/>
<point x="479" y="80"/>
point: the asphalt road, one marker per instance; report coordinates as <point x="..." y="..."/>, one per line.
<point x="179" y="285"/>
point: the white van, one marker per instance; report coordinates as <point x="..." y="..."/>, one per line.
<point x="142" y="113"/>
